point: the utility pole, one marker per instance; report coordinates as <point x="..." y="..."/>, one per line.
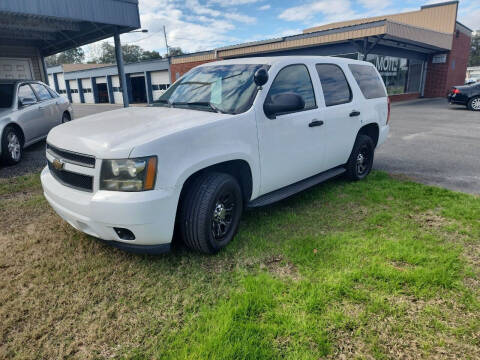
<point x="166" y="42"/>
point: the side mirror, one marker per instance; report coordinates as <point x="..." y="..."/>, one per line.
<point x="260" y="77"/>
<point x="26" y="102"/>
<point x="283" y="103"/>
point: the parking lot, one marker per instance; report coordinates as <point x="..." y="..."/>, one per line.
<point x="430" y="142"/>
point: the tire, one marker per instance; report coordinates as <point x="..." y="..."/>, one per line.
<point x="474" y="103"/>
<point x="206" y="223"/>
<point x="12" y="147"/>
<point x="66" y="117"/>
<point x="360" y="162"/>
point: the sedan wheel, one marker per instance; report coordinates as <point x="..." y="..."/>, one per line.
<point x="474" y="104"/>
<point x="65" y="118"/>
<point x="12" y="147"/>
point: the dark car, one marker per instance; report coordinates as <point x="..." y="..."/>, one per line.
<point x="468" y="95"/>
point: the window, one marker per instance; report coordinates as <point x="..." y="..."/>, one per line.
<point x="52" y="92"/>
<point x="295" y="79"/>
<point x="335" y="87"/>
<point x="224" y="88"/>
<point x="41" y="92"/>
<point x="25" y="92"/>
<point x="368" y="81"/>
<point x="6" y="95"/>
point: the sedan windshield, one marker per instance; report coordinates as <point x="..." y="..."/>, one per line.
<point x="218" y="88"/>
<point x="6" y="95"/>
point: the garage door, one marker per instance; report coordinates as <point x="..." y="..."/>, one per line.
<point x="15" y="68"/>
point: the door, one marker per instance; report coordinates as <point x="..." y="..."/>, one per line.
<point x="11" y="68"/>
<point x="341" y="119"/>
<point x="48" y="105"/>
<point x="30" y="118"/>
<point x="290" y="149"/>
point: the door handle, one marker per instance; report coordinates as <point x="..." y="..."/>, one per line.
<point x="354" y="113"/>
<point x="315" y="123"/>
<point x="42" y="107"/>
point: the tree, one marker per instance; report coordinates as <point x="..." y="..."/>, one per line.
<point x="174" y="51"/>
<point x="474" y="59"/>
<point x="131" y="54"/>
<point x="150" y="55"/>
<point x="72" y="56"/>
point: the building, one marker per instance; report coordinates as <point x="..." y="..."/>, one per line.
<point x="100" y="83"/>
<point x="473" y="72"/>
<point x="34" y="29"/>
<point x="418" y="53"/>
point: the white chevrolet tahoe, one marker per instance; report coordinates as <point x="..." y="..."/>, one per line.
<point x="227" y="135"/>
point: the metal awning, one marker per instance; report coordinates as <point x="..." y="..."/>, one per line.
<point x="53" y="26"/>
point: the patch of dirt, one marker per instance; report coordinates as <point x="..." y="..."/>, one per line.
<point x="278" y="267"/>
<point x="430" y="219"/>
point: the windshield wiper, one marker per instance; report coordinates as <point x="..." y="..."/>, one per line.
<point x="212" y="106"/>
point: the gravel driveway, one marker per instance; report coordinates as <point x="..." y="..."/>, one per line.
<point x="430" y="142"/>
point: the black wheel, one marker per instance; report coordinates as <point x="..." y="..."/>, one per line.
<point x="474" y="103"/>
<point x="361" y="159"/>
<point x="66" y="117"/>
<point x="210" y="212"/>
<point x="12" y="148"/>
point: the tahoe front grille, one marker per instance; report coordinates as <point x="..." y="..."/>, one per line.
<point x="71" y="157"/>
<point x="71" y="179"/>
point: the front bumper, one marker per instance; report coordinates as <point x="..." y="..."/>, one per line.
<point x="149" y="215"/>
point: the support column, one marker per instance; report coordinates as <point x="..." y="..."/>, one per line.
<point x="69" y="93"/>
<point x="93" y="80"/>
<point x="148" y="86"/>
<point x="80" y="91"/>
<point x="111" y="97"/>
<point x="121" y="69"/>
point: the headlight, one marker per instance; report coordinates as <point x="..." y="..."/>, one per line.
<point x="128" y="174"/>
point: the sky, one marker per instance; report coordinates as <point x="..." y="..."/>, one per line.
<point x="196" y="25"/>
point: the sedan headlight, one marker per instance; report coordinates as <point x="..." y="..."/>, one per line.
<point x="128" y="174"/>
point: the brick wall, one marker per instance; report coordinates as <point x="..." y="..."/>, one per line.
<point x="177" y="70"/>
<point x="441" y="77"/>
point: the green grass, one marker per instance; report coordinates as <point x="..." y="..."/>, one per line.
<point x="381" y="269"/>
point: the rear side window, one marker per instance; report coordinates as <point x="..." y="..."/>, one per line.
<point x="295" y="79"/>
<point x="42" y="92"/>
<point x="25" y="92"/>
<point x="335" y="86"/>
<point x="368" y="81"/>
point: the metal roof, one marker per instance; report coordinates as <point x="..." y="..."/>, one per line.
<point x="58" y="25"/>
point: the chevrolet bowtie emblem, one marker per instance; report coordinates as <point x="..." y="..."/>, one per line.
<point x="58" y="164"/>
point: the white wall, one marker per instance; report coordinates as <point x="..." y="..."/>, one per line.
<point x="75" y="96"/>
<point x="88" y="96"/>
<point x="159" y="78"/>
<point x="117" y="95"/>
<point x="51" y="82"/>
<point x="27" y="53"/>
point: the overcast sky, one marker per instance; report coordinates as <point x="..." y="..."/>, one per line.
<point x="196" y="25"/>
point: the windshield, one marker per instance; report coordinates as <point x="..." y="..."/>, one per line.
<point x="6" y="95"/>
<point x="220" y="88"/>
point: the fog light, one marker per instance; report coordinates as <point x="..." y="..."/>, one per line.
<point x="124" y="234"/>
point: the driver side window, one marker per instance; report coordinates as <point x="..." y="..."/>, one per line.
<point x="25" y="94"/>
<point x="294" y="79"/>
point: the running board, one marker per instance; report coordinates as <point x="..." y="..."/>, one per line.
<point x="295" y="188"/>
